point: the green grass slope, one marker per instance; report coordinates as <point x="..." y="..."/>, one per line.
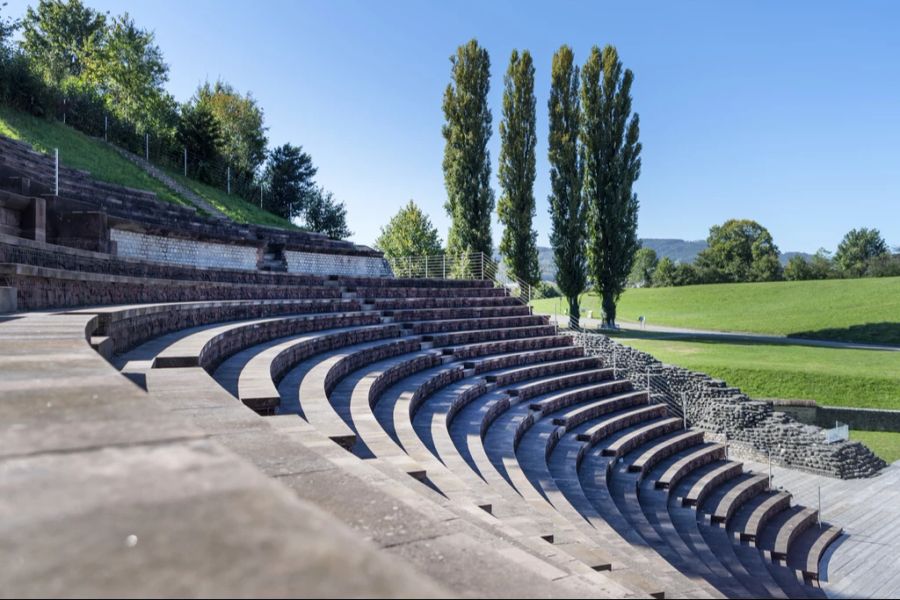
<point x="235" y="207"/>
<point x="860" y="310"/>
<point x="862" y="378"/>
<point x="80" y="151"/>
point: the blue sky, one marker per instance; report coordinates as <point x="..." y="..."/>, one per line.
<point x="787" y="113"/>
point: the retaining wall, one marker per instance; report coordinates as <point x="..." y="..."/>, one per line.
<point x="752" y="425"/>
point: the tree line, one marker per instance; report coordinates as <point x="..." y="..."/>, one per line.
<point x="105" y="76"/>
<point x="594" y="153"/>
<point x="741" y="251"/>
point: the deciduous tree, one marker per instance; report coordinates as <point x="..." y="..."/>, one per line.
<point x="857" y="248"/>
<point x="409" y="233"/>
<point x="739" y="250"/>
<point x="57" y="35"/>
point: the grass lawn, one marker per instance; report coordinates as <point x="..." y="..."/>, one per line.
<point x="863" y="378"/>
<point x="80" y="151"/>
<point x="885" y="444"/>
<point x="861" y="310"/>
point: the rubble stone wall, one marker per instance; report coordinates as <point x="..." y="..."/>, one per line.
<point x="752" y="427"/>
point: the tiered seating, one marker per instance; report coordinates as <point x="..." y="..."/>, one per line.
<point x="29" y="173"/>
<point x="455" y="401"/>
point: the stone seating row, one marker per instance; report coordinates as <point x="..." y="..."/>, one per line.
<point x="445" y="325"/>
<point x="127" y="326"/>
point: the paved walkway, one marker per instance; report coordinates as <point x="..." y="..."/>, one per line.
<point x="679" y="332"/>
<point x="865" y="562"/>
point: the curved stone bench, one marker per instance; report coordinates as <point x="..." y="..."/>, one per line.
<point x="621" y="420"/>
<point x="642" y="435"/>
<point x="592" y="410"/>
<point x="555" y="361"/>
<point x="739" y="494"/>
<point x="524" y="392"/>
<point x="522" y="344"/>
<point x="128" y="326"/>
<point x="761" y="514"/>
<point x="813" y="556"/>
<point x="448" y="325"/>
<point x="665" y="449"/>
<point x="317" y="384"/>
<point x="441" y="302"/>
<point x="688" y="463"/>
<point x="42" y="287"/>
<point x="792" y="529"/>
<point x="208" y="347"/>
<point x="702" y="488"/>
<point x="258" y="380"/>
<point x="459" y="338"/>
<point x="577" y="395"/>
<point x="474" y="311"/>
<point x="530" y="364"/>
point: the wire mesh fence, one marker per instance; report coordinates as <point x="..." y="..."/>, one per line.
<point x="470" y="265"/>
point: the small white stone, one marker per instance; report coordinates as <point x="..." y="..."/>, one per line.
<point x="131" y="541"/>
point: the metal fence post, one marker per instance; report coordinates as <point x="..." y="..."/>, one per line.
<point x="482" y="265"/>
<point x="444" y="265"/>
<point x="426" y="266"/>
<point x="185" y="161"/>
<point x="819" y="514"/>
<point x="684" y="410"/>
<point x="228" y="174"/>
<point x="147" y="146"/>
<point x="56" y="171"/>
<point x="105" y="128"/>
<point x="615" y="371"/>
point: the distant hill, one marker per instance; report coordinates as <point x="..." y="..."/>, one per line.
<point x="683" y="251"/>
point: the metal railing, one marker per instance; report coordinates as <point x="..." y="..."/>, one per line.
<point x="471" y="265"/>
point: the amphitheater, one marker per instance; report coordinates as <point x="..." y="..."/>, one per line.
<point x="193" y="407"/>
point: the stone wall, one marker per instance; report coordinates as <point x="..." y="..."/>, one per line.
<point x="204" y="254"/>
<point x="194" y="253"/>
<point x="753" y="429"/>
<point x="336" y="264"/>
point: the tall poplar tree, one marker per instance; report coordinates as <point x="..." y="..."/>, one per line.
<point x="567" y="236"/>
<point x="467" y="162"/>
<point x="517" y="170"/>
<point x="611" y="161"/>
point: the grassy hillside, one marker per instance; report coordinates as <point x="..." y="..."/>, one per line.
<point x="81" y="152"/>
<point x="864" y="378"/>
<point x="862" y="310"/>
<point x="235" y="207"/>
